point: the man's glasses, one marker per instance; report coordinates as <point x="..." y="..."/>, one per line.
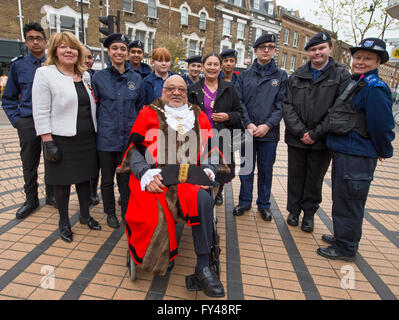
<point x="266" y="48"/>
<point x="181" y="90"/>
<point x="31" y="39"/>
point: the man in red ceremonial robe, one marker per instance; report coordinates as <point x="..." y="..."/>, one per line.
<point x="171" y="170"/>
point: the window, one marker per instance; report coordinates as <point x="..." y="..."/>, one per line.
<point x="295" y="40"/>
<point x="67" y="24"/>
<point x="306" y="40"/>
<point x="304" y="61"/>
<point x="192" y="50"/>
<point x="237" y="3"/>
<point x="240" y="56"/>
<point x="256" y="4"/>
<point x="286" y="36"/>
<point x="226" y="27"/>
<point x="293" y="62"/>
<point x="140" y="35"/>
<point x="270" y="8"/>
<point x="283" y="60"/>
<point x="184" y="16"/>
<point x="202" y="24"/>
<point x="240" y="30"/>
<point x="127" y="5"/>
<point x="140" y="31"/>
<point x="152" y="8"/>
<point x="258" y="33"/>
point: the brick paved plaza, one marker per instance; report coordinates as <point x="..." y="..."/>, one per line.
<point x="260" y="260"/>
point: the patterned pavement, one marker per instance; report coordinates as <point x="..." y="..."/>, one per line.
<point x="260" y="260"/>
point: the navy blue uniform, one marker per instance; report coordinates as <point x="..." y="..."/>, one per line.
<point x="153" y="87"/>
<point x="143" y="70"/>
<point x="17" y="104"/>
<point x="233" y="79"/>
<point x="355" y="160"/>
<point x="261" y="91"/>
<point x="119" y="100"/>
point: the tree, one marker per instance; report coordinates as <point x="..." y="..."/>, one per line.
<point x="354" y="19"/>
<point x="175" y="45"/>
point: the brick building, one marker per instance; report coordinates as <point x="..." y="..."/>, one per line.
<point x="295" y="33"/>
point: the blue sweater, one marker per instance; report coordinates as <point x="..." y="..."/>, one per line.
<point x="375" y="100"/>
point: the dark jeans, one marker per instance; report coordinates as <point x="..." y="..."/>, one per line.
<point x="306" y="171"/>
<point x="31" y="148"/>
<point x="108" y="164"/>
<point x="351" y="179"/>
<point x="264" y="154"/>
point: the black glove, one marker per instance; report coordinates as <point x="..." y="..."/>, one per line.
<point x="51" y="151"/>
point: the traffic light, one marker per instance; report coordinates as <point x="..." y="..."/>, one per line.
<point x="109" y="22"/>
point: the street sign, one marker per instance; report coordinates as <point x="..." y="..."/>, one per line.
<point x="394" y="57"/>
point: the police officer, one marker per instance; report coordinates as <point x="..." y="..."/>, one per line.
<point x="229" y="61"/>
<point x="312" y="89"/>
<point x="136" y="55"/>
<point x="354" y="158"/>
<point x="119" y="92"/>
<point x="194" y="68"/>
<point x="17" y="104"/>
<point x="261" y="90"/>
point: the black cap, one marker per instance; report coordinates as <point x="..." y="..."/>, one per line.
<point x="115" y="37"/>
<point x="319" y="38"/>
<point x="136" y="44"/>
<point x="228" y="53"/>
<point x="375" y="45"/>
<point x="264" y="38"/>
<point x="194" y="59"/>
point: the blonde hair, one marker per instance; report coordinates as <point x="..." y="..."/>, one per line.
<point x="70" y="39"/>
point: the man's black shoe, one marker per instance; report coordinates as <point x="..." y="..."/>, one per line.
<point x="66" y="234"/>
<point x="112" y="221"/>
<point x="293" y="219"/>
<point x="330" y="253"/>
<point x="266" y="214"/>
<point x="210" y="283"/>
<point x="27" y="208"/>
<point x="94" y="200"/>
<point x="328" y="238"/>
<point x="92" y="224"/>
<point x="50" y="200"/>
<point x="307" y="224"/>
<point x="219" y="199"/>
<point x="239" y="210"/>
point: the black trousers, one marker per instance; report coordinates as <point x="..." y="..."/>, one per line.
<point x="108" y="164"/>
<point x="31" y="148"/>
<point x="306" y="171"/>
<point x="203" y="233"/>
<point x="351" y="180"/>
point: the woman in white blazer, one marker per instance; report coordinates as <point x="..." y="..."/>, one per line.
<point x="64" y="112"/>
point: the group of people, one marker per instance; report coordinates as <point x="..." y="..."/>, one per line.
<point x="94" y="124"/>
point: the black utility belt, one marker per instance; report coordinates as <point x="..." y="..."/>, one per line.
<point x="185" y="173"/>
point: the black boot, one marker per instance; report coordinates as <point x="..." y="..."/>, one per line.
<point x="30" y="205"/>
<point x="50" y="198"/>
<point x="219" y="198"/>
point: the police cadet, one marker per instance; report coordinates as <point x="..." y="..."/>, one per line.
<point x="17" y="104"/>
<point x="194" y="68"/>
<point x="261" y="90"/>
<point x="136" y="55"/>
<point x="229" y="61"/>
<point x="312" y="89"/>
<point x="119" y="92"/>
<point x="354" y="156"/>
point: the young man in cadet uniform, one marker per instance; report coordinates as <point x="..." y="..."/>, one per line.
<point x="311" y="92"/>
<point x="194" y="68"/>
<point x="136" y="55"/>
<point x="261" y="90"/>
<point x="229" y="61"/>
<point x="17" y="104"/>
<point x="355" y="155"/>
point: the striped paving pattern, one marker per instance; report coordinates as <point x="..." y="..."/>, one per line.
<point x="259" y="260"/>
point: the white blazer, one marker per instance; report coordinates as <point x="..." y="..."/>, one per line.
<point x="55" y="102"/>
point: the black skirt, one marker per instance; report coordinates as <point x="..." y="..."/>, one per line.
<point x="78" y="153"/>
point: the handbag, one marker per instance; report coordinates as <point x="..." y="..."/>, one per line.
<point x="241" y="138"/>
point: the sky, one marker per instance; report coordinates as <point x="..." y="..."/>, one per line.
<point x="306" y="8"/>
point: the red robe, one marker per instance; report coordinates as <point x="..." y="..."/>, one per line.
<point x="143" y="212"/>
